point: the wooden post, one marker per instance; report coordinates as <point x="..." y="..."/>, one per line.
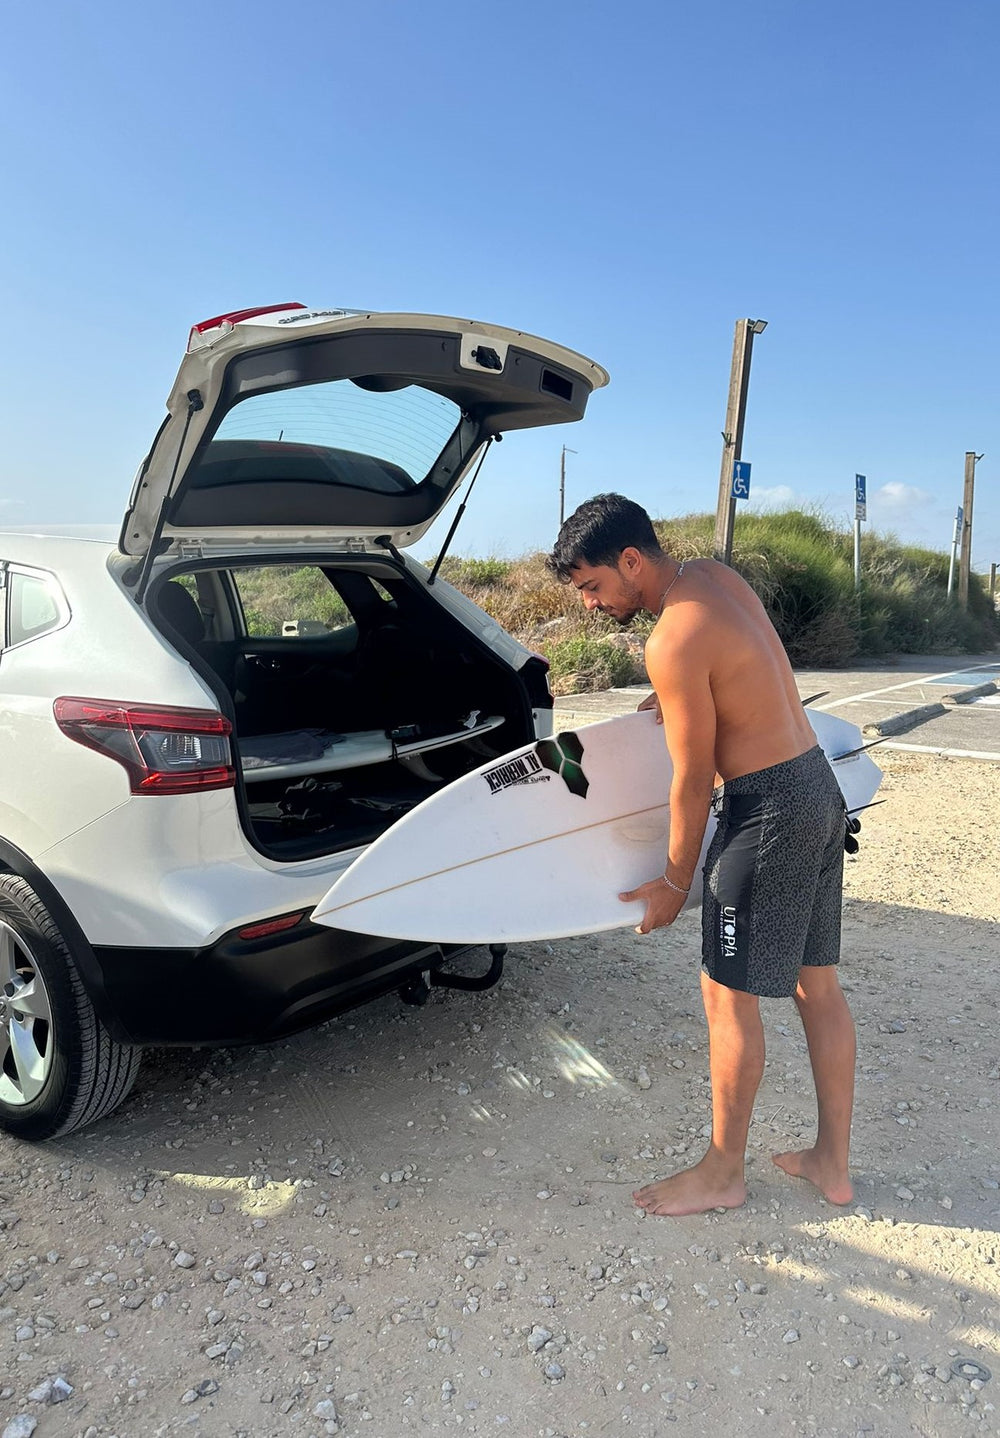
<point x="732" y="435"/>
<point x="965" y="558"/>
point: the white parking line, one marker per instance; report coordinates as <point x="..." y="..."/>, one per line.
<point x="945" y="753"/>
<point x="893" y="688"/>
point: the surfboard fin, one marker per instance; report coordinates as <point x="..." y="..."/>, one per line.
<point x="813" y="697"/>
<point x="850" y="753"/>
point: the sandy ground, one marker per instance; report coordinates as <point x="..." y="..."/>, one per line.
<point x="420" y="1220"/>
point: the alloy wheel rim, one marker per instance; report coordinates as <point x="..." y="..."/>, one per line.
<point x="26" y="1046"/>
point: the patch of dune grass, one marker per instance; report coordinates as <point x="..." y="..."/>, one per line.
<point x="800" y="565"/>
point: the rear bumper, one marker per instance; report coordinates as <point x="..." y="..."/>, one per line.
<point x="235" y="991"/>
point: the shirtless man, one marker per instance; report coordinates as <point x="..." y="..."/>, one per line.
<point x="771" y="913"/>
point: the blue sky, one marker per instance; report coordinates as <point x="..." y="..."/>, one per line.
<point x="627" y="180"/>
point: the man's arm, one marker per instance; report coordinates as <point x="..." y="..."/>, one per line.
<point x="679" y="672"/>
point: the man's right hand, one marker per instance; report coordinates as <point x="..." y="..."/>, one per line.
<point x="651" y="702"/>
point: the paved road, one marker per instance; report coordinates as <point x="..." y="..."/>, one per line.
<point x="868" y="695"/>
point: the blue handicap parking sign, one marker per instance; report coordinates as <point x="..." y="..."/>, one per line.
<point x="741" y="479"/>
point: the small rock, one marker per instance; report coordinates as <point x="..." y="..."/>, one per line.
<point x="183" y="1259"/>
<point x="555" y="1372"/>
<point x="52" y="1390"/>
<point x="791" y="1336"/>
<point x="20" y="1427"/>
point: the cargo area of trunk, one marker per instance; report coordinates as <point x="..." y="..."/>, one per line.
<point x="354" y="695"/>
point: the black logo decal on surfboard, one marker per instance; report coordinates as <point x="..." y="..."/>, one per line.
<point x="522" y="769"/>
<point x="564" y="756"/>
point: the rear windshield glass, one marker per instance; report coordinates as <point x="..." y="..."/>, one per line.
<point x="337" y="432"/>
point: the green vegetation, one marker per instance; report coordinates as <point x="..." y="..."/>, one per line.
<point x="273" y="594"/>
<point x="802" y="567"/>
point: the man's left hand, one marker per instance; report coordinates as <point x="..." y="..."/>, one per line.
<point x="663" y="904"/>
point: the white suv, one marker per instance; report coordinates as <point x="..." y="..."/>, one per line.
<point x="203" y="722"/>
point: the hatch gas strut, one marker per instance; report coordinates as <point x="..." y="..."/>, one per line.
<point x="461" y="508"/>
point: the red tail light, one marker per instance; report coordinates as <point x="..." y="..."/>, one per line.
<point x="163" y="750"/>
<point x="235" y="317"/>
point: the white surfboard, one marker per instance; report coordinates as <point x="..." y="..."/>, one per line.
<point x="539" y="843"/>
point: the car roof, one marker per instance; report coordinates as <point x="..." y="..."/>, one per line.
<point x="95" y="533"/>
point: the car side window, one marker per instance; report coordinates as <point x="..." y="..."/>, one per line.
<point x="289" y="602"/>
<point x="35" y="605"/>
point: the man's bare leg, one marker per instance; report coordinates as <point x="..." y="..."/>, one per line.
<point x="736" y="1065"/>
<point x="829" y="1028"/>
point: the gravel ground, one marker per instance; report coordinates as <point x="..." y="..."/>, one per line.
<point x="420" y="1220"/>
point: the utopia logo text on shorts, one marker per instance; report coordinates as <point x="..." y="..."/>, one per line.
<point x="727" y="930"/>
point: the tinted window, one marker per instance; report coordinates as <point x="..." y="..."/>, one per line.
<point x="32" y="606"/>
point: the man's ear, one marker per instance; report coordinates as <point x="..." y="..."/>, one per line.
<point x="630" y="561"/>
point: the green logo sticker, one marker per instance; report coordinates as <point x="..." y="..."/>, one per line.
<point x="564" y="756"/>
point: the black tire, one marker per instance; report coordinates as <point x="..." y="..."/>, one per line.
<point x="59" y="1068"/>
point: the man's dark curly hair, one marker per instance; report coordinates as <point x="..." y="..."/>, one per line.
<point x="598" y="531"/>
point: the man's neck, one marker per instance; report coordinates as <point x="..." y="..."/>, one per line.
<point x="660" y="581"/>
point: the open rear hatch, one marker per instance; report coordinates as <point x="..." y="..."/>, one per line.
<point x="323" y="442"/>
<point x="335" y="427"/>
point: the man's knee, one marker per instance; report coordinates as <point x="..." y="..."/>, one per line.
<point x="719" y="999"/>
<point x="817" y="984"/>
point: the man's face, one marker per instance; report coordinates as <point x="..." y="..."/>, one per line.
<point x="608" y="589"/>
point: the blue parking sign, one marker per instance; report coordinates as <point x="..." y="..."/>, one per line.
<point x="741" y="479"/>
<point x="860" y="497"/>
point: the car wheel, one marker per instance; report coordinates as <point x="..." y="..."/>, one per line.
<point x="59" y="1068"/>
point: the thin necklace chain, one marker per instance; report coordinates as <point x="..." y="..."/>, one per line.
<point x="663" y="596"/>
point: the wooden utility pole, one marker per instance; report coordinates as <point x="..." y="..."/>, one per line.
<point x="732" y="435"/>
<point x="965" y="557"/>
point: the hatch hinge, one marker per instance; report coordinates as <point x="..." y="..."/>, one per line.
<point x="191" y="549"/>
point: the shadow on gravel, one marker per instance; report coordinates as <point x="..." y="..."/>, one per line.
<point x="601" y="1034"/>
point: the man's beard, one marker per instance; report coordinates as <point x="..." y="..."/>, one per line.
<point x="624" y="620"/>
<point x="631" y="606"/>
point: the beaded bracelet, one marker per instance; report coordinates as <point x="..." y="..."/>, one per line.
<point x="676" y="887"/>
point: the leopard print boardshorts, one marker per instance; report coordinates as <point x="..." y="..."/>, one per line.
<point x="773" y="877"/>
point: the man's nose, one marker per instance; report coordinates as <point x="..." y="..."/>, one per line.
<point x="590" y="601"/>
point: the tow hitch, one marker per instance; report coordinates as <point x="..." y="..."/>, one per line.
<point x="418" y="991"/>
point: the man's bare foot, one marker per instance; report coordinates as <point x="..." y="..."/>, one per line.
<point x="693" y="1190"/>
<point x="832" y="1181"/>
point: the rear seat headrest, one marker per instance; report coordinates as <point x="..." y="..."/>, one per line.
<point x="181" y="612"/>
